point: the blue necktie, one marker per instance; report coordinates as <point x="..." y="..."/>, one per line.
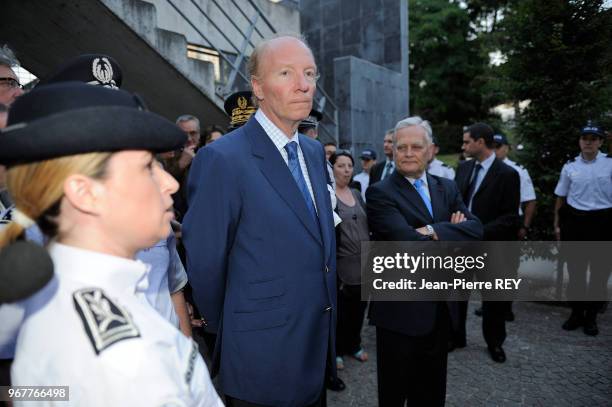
<point x="420" y="187"/>
<point x="296" y="171"/>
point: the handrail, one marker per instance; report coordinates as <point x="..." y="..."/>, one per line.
<point x="263" y="15"/>
<point x="215" y="26"/>
<point x="221" y="53"/>
<point x="248" y="38"/>
<point x="330" y="110"/>
<point x="247" y="17"/>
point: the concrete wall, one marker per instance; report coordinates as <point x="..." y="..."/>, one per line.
<point x="373" y="30"/>
<point x="46" y="34"/>
<point x="371" y="99"/>
<point x="284" y="19"/>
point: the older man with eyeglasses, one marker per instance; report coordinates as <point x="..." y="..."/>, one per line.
<point x="10" y="88"/>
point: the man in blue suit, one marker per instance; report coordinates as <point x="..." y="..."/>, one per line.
<point x="260" y="241"/>
<point x="412" y="205"/>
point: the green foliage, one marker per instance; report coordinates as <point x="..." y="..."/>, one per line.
<point x="447" y="68"/>
<point x="559" y="58"/>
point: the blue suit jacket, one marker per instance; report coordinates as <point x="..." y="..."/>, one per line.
<point x="262" y="270"/>
<point x="395" y="209"/>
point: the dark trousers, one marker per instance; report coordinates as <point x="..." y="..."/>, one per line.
<point x="577" y="225"/>
<point x="351" y="311"/>
<point x="232" y="402"/>
<point x="493" y="322"/>
<point x="412" y="369"/>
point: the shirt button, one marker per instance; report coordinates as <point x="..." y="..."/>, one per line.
<point x="328" y="308"/>
<point x="326" y="269"/>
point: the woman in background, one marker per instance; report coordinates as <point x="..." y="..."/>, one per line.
<point x="349" y="234"/>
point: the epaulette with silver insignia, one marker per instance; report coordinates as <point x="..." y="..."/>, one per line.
<point x="609" y="155"/>
<point x="445" y="165"/>
<point x="571" y="160"/>
<point x="105" y="321"/>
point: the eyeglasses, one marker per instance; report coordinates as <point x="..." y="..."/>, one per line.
<point x="10" y="83"/>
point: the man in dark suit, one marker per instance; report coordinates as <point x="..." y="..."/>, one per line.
<point x="491" y="191"/>
<point x="411" y="205"/>
<point x="384" y="168"/>
<point x="260" y="241"/>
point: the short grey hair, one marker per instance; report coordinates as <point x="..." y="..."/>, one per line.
<point x="7" y="57"/>
<point x="414" y="121"/>
<point x="188" y="117"/>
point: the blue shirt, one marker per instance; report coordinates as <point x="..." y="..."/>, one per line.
<point x="167" y="276"/>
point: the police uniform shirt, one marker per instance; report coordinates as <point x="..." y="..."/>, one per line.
<point x="438" y="168"/>
<point x="527" y="190"/>
<point x="92" y="329"/>
<point x="166" y="276"/>
<point x="587" y="184"/>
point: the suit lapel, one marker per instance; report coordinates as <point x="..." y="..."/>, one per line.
<point x="318" y="181"/>
<point x="274" y="168"/>
<point x="436" y="193"/>
<point x="411" y="195"/>
<point x="464" y="181"/>
<point x="491" y="175"/>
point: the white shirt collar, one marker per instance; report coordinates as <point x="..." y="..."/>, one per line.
<point x="597" y="157"/>
<point x="423" y="177"/>
<point x="277" y="136"/>
<point x="99" y="269"/>
<point x="487" y="163"/>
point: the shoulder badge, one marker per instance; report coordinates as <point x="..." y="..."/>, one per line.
<point x="609" y="155"/>
<point x="445" y="165"/>
<point x="191" y="362"/>
<point x="105" y="322"/>
<point x="571" y="160"/>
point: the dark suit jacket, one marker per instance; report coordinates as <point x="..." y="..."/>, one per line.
<point x="497" y="200"/>
<point x="377" y="170"/>
<point x="395" y="209"/>
<point x="262" y="269"/>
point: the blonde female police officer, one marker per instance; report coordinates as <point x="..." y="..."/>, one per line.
<point x="81" y="167"/>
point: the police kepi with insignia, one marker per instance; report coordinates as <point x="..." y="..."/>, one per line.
<point x="94" y="69"/>
<point x="583" y="212"/>
<point x="239" y="107"/>
<point x="75" y="153"/>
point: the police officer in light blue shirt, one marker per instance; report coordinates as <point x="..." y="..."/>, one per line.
<point x="167" y="277"/>
<point x="583" y="212"/>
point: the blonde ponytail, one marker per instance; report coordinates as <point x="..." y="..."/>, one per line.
<point x="37" y="189"/>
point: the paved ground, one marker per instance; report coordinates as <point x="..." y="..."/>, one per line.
<point x="546" y="366"/>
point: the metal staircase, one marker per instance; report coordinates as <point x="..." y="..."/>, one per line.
<point x="173" y="75"/>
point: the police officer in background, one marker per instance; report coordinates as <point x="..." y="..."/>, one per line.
<point x="310" y="125"/>
<point x="528" y="196"/>
<point x="437" y="167"/>
<point x="583" y="212"/>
